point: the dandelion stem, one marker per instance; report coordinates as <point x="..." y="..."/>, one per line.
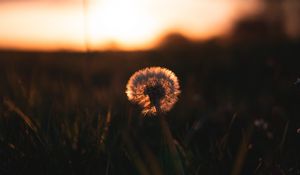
<point x="168" y="138"/>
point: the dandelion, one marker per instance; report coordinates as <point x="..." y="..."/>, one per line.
<point x="155" y="89"/>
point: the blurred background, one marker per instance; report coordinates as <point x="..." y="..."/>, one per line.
<point x="65" y="64"/>
<point x="131" y="24"/>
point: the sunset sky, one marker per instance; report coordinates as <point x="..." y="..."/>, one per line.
<point x="125" y="24"/>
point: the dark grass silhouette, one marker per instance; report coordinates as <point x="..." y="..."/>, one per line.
<point x="238" y="112"/>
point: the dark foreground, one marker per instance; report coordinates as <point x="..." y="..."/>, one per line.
<point x="67" y="113"/>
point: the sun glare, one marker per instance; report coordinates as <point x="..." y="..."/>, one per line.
<point x="112" y="24"/>
<point x="124" y="22"/>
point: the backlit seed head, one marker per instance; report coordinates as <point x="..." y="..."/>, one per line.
<point x="155" y="89"/>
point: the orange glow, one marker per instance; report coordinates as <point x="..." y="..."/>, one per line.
<point x="125" y="24"/>
<point x="40" y="26"/>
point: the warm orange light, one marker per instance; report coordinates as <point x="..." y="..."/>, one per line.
<point x="40" y="26"/>
<point x="123" y="24"/>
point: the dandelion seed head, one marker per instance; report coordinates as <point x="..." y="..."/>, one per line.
<point x="152" y="88"/>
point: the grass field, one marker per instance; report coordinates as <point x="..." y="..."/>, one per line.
<point x="67" y="112"/>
